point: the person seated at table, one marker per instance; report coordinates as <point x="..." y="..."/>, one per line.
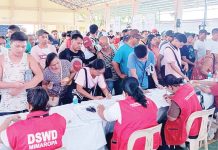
<point x="88" y="78"/>
<point x="30" y="133"/>
<point x="210" y="87"/>
<point x="133" y="113"/>
<point x="183" y="102"/>
<point x="57" y="77"/>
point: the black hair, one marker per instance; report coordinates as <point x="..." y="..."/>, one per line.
<point x="93" y="28"/>
<point x="149" y="39"/>
<point x="14" y="28"/>
<point x="54" y="31"/>
<point x="140" y="51"/>
<point x="19" y="36"/>
<point x="125" y="31"/>
<point x="180" y="37"/>
<point x="68" y="33"/>
<point x="131" y="87"/>
<point x="38" y="98"/>
<point x="97" y="64"/>
<point x="171" y="80"/>
<point x="75" y="36"/>
<point x="50" y="57"/>
<point x="2" y="37"/>
<point x="63" y="34"/>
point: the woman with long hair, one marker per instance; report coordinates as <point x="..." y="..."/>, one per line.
<point x="133" y="113"/>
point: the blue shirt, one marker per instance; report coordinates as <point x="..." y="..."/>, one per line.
<point x="142" y="71"/>
<point x="121" y="57"/>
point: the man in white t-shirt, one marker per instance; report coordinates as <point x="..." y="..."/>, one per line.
<point x="173" y="65"/>
<point x="212" y="44"/>
<point x="40" y="51"/>
<point x="199" y="44"/>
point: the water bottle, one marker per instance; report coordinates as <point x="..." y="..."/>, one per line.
<point x="209" y="76"/>
<point x="75" y="99"/>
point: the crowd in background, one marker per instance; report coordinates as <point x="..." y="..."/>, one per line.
<point x="96" y="64"/>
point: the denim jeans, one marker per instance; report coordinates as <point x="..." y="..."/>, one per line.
<point x="116" y="85"/>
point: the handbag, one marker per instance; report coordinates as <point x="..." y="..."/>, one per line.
<point x="177" y="61"/>
<point x="88" y="90"/>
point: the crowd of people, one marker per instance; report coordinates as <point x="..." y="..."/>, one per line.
<point x="43" y="70"/>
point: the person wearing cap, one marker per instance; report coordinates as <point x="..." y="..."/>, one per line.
<point x="172" y="58"/>
<point x="168" y="37"/>
<point x="88" y="50"/>
<point x="18" y="71"/>
<point x="182" y="103"/>
<point x="42" y="49"/>
<point x="121" y="57"/>
<point x="212" y="44"/>
<point x="154" y="31"/>
<point x="141" y="66"/>
<point x="188" y="53"/>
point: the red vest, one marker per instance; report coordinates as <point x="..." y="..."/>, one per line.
<point x="38" y="131"/>
<point x="175" y="131"/>
<point x="134" y="117"/>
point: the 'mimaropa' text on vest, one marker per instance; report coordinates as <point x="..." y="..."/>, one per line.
<point x="42" y="139"/>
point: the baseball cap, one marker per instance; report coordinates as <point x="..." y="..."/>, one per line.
<point x="204" y="31"/>
<point x="135" y="33"/>
<point x="87" y="42"/>
<point x="41" y="32"/>
<point x="169" y="33"/>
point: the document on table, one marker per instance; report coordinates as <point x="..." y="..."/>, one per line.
<point x="156" y="95"/>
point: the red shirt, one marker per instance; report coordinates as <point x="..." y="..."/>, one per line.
<point x="38" y="131"/>
<point x="134" y="117"/>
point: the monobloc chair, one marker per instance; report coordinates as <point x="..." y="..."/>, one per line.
<point x="148" y="133"/>
<point x="205" y="125"/>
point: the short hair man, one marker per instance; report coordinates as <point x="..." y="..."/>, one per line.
<point x="40" y="51"/>
<point x="16" y="75"/>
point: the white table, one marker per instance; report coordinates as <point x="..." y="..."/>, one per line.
<point x="85" y="130"/>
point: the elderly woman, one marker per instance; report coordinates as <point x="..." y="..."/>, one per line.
<point x="57" y="76"/>
<point x="29" y="133"/>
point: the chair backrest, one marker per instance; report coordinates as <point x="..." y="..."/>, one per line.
<point x="148" y="133"/>
<point x="204" y="115"/>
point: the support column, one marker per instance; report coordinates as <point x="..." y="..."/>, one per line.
<point x="107" y="17"/>
<point x="178" y="14"/>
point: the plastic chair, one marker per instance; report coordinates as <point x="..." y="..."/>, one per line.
<point x="148" y="133"/>
<point x="205" y="125"/>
